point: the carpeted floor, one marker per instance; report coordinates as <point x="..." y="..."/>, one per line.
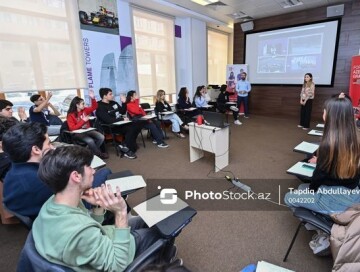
<point x="222" y="238"/>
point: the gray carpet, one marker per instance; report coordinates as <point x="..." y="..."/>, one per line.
<point x="218" y="238"/>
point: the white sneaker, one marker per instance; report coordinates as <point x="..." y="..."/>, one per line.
<point x="233" y="108"/>
<point x="237" y="122"/>
<point x="321" y="245"/>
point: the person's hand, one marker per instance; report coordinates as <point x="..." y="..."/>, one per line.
<point x="342" y="95"/>
<point x="313" y="160"/>
<point x="85" y="118"/>
<point x="126" y="119"/>
<point x="92" y="196"/>
<point x="49" y="95"/>
<point x="122" y="98"/>
<point x="21" y="113"/>
<point x="91" y="94"/>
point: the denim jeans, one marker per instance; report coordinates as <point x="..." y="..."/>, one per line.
<point x="327" y="200"/>
<point x="175" y="120"/>
<point x="243" y="99"/>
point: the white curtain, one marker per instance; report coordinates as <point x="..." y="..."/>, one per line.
<point x="40" y="46"/>
<point x="217" y="56"/>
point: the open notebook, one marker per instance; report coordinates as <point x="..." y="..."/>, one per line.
<point x="97" y="162"/>
<point x="127" y="185"/>
<point x="315" y="132"/>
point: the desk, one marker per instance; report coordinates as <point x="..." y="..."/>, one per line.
<point x="211" y="139"/>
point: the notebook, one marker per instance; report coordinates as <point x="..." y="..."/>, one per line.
<point x="315" y="132"/>
<point x="302" y="169"/>
<point x="97" y="162"/>
<point x="263" y="266"/>
<point x="127" y="185"/>
<point x="215" y="119"/>
<point x="306" y="147"/>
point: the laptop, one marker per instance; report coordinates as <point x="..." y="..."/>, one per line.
<point x="215" y="119"/>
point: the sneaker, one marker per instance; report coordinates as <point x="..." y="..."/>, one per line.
<point x="315" y="238"/>
<point x="245" y="116"/>
<point x="233" y="108"/>
<point x="237" y="122"/>
<point x="299" y="126"/>
<point x="123" y="148"/>
<point x="321" y="245"/>
<point x="154" y="142"/>
<point x="130" y="155"/>
<point x="186" y="127"/>
<point x="163" y="145"/>
<point x="305" y="128"/>
<point x="180" y="135"/>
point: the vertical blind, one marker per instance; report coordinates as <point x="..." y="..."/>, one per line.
<point x="217" y="57"/>
<point x="154" y="41"/>
<point x="40" y="46"/>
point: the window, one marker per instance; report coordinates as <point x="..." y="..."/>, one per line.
<point x="39" y="46"/>
<point x="218" y="44"/>
<point x="154" y="41"/>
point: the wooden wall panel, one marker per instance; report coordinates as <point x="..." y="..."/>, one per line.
<point x="283" y="101"/>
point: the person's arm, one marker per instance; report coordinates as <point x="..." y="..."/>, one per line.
<point x="134" y="109"/>
<point x="248" y="87"/>
<point x="73" y="123"/>
<point x="159" y="107"/>
<point x="43" y="104"/>
<point x="54" y="110"/>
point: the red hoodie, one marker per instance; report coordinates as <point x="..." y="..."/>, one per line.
<point x="134" y="108"/>
<point x="76" y="122"/>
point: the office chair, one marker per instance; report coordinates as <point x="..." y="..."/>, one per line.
<point x="31" y="261"/>
<point x="109" y="134"/>
<point x="26" y="220"/>
<point x="142" y="136"/>
<point x="318" y="220"/>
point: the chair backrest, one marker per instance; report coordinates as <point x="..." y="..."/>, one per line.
<point x="26" y="220"/>
<point x="31" y="261"/>
<point x="145" y="106"/>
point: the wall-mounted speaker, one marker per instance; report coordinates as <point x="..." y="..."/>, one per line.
<point x="247" y="26"/>
<point x="333" y="11"/>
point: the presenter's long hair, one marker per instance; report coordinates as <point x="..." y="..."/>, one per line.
<point x="339" y="149"/>
<point x="310" y="82"/>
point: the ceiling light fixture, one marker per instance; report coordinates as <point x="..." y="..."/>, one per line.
<point x="291" y="3"/>
<point x="204" y="2"/>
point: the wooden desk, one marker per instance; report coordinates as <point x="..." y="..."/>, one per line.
<point x="211" y="139"/>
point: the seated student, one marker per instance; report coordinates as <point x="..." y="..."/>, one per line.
<point x="24" y="193"/>
<point x="136" y="112"/>
<point x="337" y="170"/>
<point x="78" y="117"/>
<point x="5" y="163"/>
<point x="199" y="97"/>
<point x="163" y="106"/>
<point x="185" y="103"/>
<point x="7" y="111"/>
<point x="39" y="112"/>
<point x="85" y="244"/>
<point x="109" y="112"/>
<point x="232" y="92"/>
<point x="222" y="99"/>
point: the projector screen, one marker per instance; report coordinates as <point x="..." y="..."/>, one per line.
<point x="283" y="56"/>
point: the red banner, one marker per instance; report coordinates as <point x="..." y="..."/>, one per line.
<point x="354" y="90"/>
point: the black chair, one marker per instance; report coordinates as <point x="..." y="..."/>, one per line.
<point x="26" y="220"/>
<point x="109" y="134"/>
<point x="318" y="220"/>
<point x="31" y="261"/>
<point x="67" y="137"/>
<point x="164" y="124"/>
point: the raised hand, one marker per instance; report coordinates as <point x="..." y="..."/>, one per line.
<point x="91" y="93"/>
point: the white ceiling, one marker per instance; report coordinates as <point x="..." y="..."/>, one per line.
<point x="217" y="16"/>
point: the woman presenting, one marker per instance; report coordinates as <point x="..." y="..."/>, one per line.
<point x="306" y="98"/>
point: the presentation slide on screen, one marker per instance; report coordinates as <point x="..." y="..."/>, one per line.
<point x="283" y="56"/>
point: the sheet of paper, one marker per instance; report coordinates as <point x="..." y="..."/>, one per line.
<point x="302" y="169"/>
<point x="208" y="106"/>
<point x="315" y="132"/>
<point x="306" y="147"/>
<point x="118" y="123"/>
<point x="82" y="130"/>
<point x="320" y="125"/>
<point x="166" y="112"/>
<point x="263" y="266"/>
<point x="97" y="162"/>
<point x="53" y="138"/>
<point x="153" y="210"/>
<point x="190" y="109"/>
<point x="127" y="183"/>
<point x="146" y="117"/>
